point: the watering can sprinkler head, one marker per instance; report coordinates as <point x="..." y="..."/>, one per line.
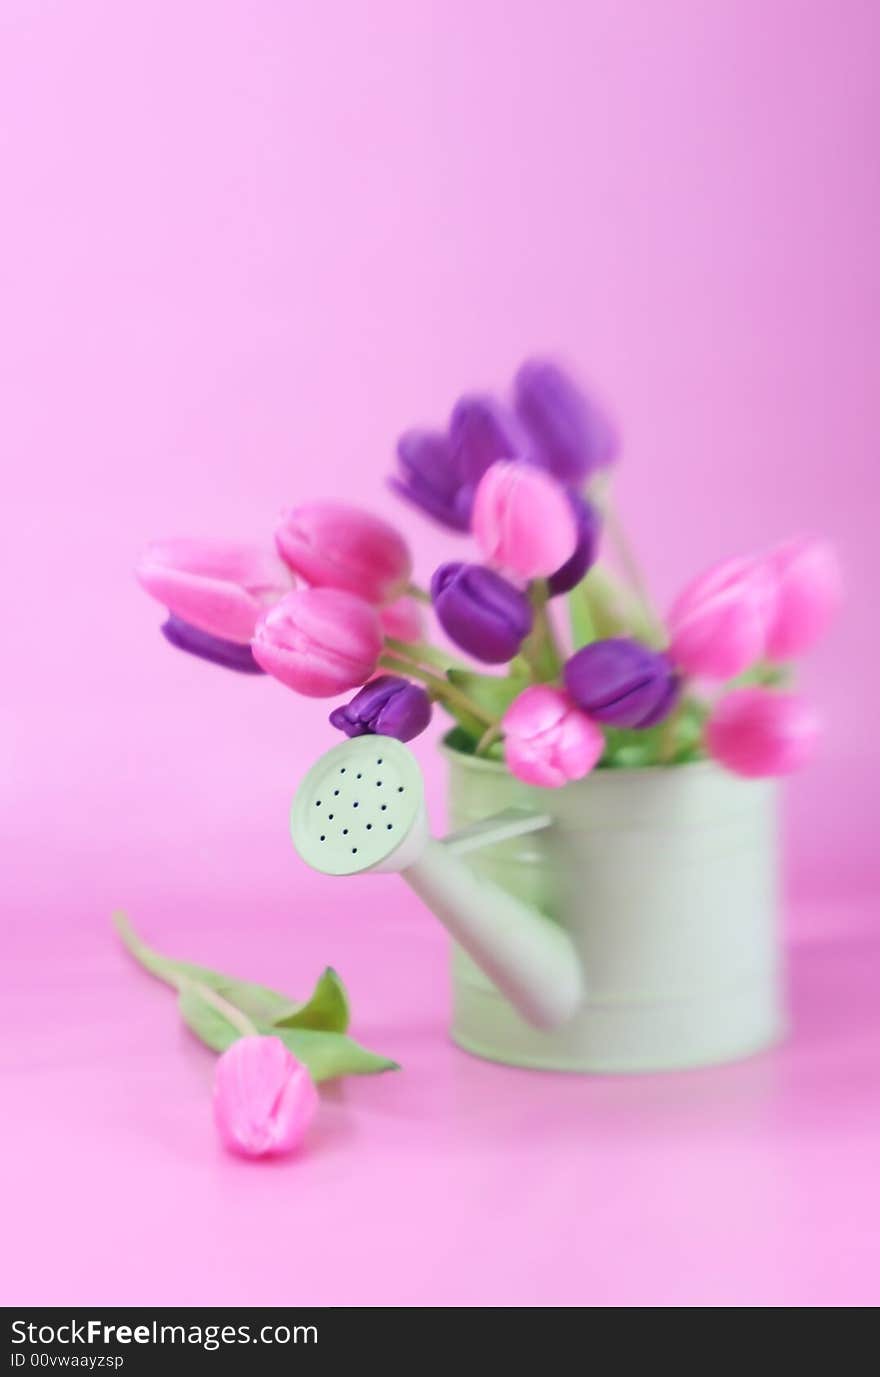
<point x="361" y="808"/>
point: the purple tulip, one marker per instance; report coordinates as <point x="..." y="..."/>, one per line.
<point x="481" y="431"/>
<point x="622" y="683"/>
<point x="229" y="654"/>
<point x="480" y="611"/>
<point x="430" y="479"/>
<point x="387" y="706"/>
<point x="570" y="434"/>
<point x="589" y="528"/>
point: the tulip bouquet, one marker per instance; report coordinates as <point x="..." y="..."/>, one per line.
<point x="334" y="609"/>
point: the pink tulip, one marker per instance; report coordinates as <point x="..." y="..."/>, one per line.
<point x="215" y="585"/>
<point x="809" y="592"/>
<point x="264" y="1099"/>
<point x="319" y="641"/>
<point x="547" y="740"/>
<point x="718" y="626"/>
<point x="523" y="520"/>
<point x="757" y="732"/>
<point x="332" y="545"/>
<point x="402" y="620"/>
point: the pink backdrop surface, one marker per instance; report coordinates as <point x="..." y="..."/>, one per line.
<point x="242" y="246"/>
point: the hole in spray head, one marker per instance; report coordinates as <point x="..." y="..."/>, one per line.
<point x="345" y="831"/>
<point x="354" y="850"/>
<point x="323" y="838"/>
<point x="355" y="805"/>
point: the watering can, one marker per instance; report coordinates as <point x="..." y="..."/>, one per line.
<point x="638" y="931"/>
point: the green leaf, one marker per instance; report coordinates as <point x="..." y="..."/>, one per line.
<point x="327" y="1010"/>
<point x="494" y="693"/>
<point x="258" y="1002"/>
<point x="326" y="1054"/>
<point x="205" y="1021"/>
<point x="331" y="1054"/>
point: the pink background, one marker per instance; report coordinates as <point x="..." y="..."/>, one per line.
<point x="242" y="246"/>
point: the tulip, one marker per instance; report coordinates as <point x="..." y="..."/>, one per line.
<point x="480" y="611"/>
<point x="621" y="682"/>
<point x="758" y="732"/>
<point x="547" y="741"/>
<point x="264" y="1099"/>
<point x="808" y="593"/>
<point x="719" y="625"/>
<point x="402" y="620"/>
<point x="482" y="431"/>
<point x="523" y="521"/>
<point x="228" y="654"/>
<point x="430" y="479"/>
<point x="319" y="641"/>
<point x="570" y="435"/>
<point x="214" y="585"/>
<point x="589" y="527"/>
<point x="386" y="706"/>
<point x="332" y="545"/>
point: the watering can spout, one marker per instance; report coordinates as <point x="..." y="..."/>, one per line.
<point x="361" y="808"/>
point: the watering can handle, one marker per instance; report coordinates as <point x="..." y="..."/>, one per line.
<point x="501" y="827"/>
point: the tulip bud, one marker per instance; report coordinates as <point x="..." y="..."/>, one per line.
<point x="227" y="654"/>
<point x="386" y="706"/>
<point x="480" y="611"/>
<point x="808" y="593"/>
<point x="523" y="521"/>
<point x="718" y="626"/>
<point x="589" y="528"/>
<point x="758" y="732"/>
<point x="332" y="545"/>
<point x="622" y="683"/>
<point x="214" y="585"/>
<point x="429" y="479"/>
<point x="319" y="641"/>
<point x="570" y="435"/>
<point x="402" y="620"/>
<point x="482" y="431"/>
<point x="264" y="1099"/>
<point x="547" y="741"/>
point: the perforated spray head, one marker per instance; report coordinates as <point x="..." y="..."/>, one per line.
<point x="361" y="808"/>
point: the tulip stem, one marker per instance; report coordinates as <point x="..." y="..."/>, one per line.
<point x="421" y="653"/>
<point x="420" y="594"/>
<point x="540" y="649"/>
<point x="632" y="569"/>
<point x="489" y="737"/>
<point x="440" y="688"/>
<point x="165" y="970"/>
<point x="669" y="730"/>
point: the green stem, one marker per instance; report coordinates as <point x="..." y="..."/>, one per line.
<point x="420" y="594"/>
<point x="421" y="653"/>
<point x="163" y="970"/>
<point x="540" y="649"/>
<point x="489" y="737"/>
<point x="440" y="688"/>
